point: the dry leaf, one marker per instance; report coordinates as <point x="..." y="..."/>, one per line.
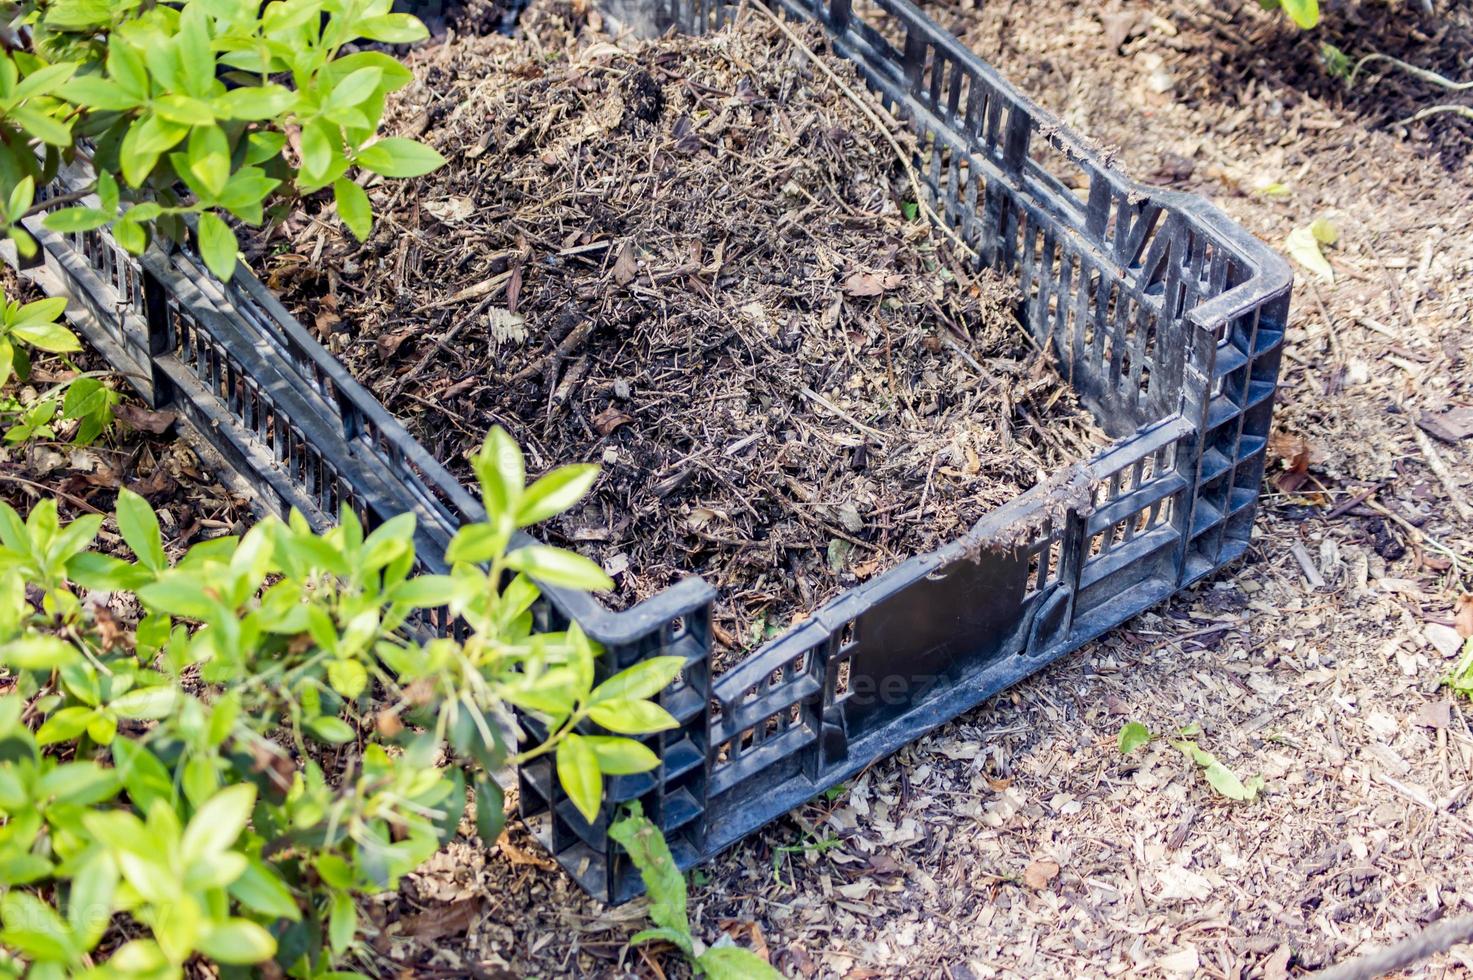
<point x="1304" y="247"/>
<point x="1039" y="873"/>
<point x="143" y="419"/>
<point x="1463" y="615"/>
<point x="1175" y="882"/>
<point x="517" y="855"/>
<point x="441" y="921"/>
<point x="626" y="265"/>
<point x="452" y="210"/>
<point x="1293" y="452"/>
<point x="871" y="284"/>
<point x="610" y="419"/>
<point x="738" y="929"/>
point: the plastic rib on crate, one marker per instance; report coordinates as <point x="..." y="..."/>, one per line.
<point x="1166" y="317"/>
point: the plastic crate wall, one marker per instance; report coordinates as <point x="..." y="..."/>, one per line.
<point x="1167" y="318"/>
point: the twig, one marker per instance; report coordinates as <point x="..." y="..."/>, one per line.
<point x="873" y="117"/>
<point x="52" y="490"/>
<point x="815" y="397"/>
<point x="1457" y="110"/>
<point x="1436" y="938"/>
<point x="1306" y="564"/>
<point x="1426" y="75"/>
<point x="1439" y="467"/>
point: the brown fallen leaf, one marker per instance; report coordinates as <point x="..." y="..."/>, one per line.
<point x="1463" y="615"/>
<point x="1294" y="454"/>
<point x="610" y="419"/>
<point x="142" y="419"/>
<point x="740" y="929"/>
<point x="626" y="264"/>
<point x="519" y="856"/>
<point x="871" y="284"/>
<point x="1039" y="873"/>
<point x="441" y="921"/>
<point x="388" y="344"/>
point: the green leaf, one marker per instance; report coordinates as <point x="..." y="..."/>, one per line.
<point x="90" y="902"/>
<point x="179" y="594"/>
<point x="342" y="922"/>
<point x="662" y="878"/>
<point x="501" y="472"/>
<point x="255" y="102"/>
<point x="238" y="942"/>
<point x="474" y="543"/>
<point x="734" y="963"/>
<point x="216" y="825"/>
<point x="1305" y="13"/>
<point x="490" y="812"/>
<point x="183" y="111"/>
<point x="347" y="677"/>
<point x="32" y="928"/>
<point x="643" y="680"/>
<point x="69" y="220"/>
<point x="99" y="93"/>
<point x="64" y="725"/>
<point x="554" y="566"/>
<point x="41" y="126"/>
<point x="392" y="28"/>
<point x="318" y="148"/>
<point x="1324" y="231"/>
<point x="424" y="591"/>
<point x="621" y="756"/>
<point x="632" y="717"/>
<point x="50" y="337"/>
<point x="140" y="528"/>
<point x="146" y="703"/>
<point x="332" y="729"/>
<point x="217" y="245"/>
<point x="208" y="154"/>
<point x="1132" y="736"/>
<point x="353" y="207"/>
<point x="354" y="88"/>
<point x="555" y="493"/>
<point x="37" y="652"/>
<point x="577" y="770"/>
<point x="22" y="195"/>
<point x="262" y="891"/>
<point x="396" y="156"/>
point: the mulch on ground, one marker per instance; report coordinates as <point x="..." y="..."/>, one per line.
<point x="698" y="262"/>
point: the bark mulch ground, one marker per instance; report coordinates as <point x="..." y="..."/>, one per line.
<point x="697" y="261"/>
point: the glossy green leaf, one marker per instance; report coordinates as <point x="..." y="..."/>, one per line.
<point x="217" y="245"/>
<point x="353" y="207"/>
<point x="140" y="529"/>
<point x="555" y="493"/>
<point x="631" y="717"/>
<point x="555" y="566"/>
<point x="577" y="770"/>
<point x="396" y="156"/>
<point x="644" y="680"/>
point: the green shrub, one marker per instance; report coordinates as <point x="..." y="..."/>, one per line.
<point x="85" y="399"/>
<point x="223" y="773"/>
<point x="205" y="109"/>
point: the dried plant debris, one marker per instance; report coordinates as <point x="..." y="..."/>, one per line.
<point x="698" y="262"/>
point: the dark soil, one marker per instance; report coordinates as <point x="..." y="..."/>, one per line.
<point x="698" y="262"/>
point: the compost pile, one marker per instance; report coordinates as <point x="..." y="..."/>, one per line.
<point x="696" y="261"/>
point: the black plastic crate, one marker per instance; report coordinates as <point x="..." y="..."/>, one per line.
<point x="1166" y="317"/>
